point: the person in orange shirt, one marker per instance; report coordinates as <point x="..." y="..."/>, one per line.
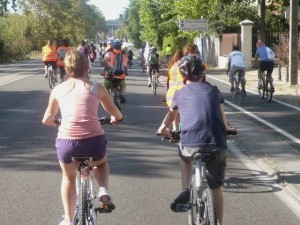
<point x="114" y="62"/>
<point x="50" y="57"/>
<point x="61" y="52"/>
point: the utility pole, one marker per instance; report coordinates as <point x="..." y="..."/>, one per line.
<point x="293" y="43"/>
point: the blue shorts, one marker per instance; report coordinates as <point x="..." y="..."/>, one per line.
<point x="94" y="147"/>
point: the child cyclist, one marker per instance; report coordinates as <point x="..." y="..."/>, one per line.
<point x="203" y="124"/>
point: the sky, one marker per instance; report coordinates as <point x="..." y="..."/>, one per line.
<point x="111" y="8"/>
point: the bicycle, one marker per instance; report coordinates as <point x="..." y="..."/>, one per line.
<point x="62" y="74"/>
<point x="154" y="76"/>
<point x="201" y="207"/>
<point x="51" y="76"/>
<point x="115" y="91"/>
<point x="238" y="94"/>
<point x="85" y="212"/>
<point x="267" y="87"/>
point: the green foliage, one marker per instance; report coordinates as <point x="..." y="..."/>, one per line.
<point x="13" y="39"/>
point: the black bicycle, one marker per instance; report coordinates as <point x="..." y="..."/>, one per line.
<point x="51" y="76"/>
<point x="267" y="89"/>
<point x="202" y="204"/>
<point x="115" y="90"/>
<point x="85" y="212"/>
<point x="238" y="94"/>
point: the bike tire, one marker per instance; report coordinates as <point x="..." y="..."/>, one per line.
<point x="269" y="91"/>
<point x="264" y="89"/>
<point x="207" y="208"/>
<point x="81" y="215"/>
<point x="239" y="97"/>
<point x="154" y="83"/>
<point x="193" y="212"/>
<point x="116" y="99"/>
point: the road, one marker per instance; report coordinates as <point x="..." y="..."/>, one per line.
<point x="144" y="170"/>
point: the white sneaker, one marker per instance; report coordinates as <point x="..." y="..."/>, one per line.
<point x="65" y="223"/>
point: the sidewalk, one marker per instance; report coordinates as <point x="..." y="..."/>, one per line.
<point x="279" y="158"/>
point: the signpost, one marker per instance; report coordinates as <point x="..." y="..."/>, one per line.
<point x="193" y="25"/>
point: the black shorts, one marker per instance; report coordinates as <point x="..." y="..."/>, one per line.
<point x="53" y="63"/>
<point x="266" y="66"/>
<point x="152" y="67"/>
<point x="215" y="168"/>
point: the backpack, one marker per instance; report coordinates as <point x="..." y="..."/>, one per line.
<point x="152" y="59"/>
<point x="119" y="69"/>
<point x="62" y="53"/>
<point x="271" y="54"/>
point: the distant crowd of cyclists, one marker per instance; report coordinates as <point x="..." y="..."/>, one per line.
<point x="195" y="107"/>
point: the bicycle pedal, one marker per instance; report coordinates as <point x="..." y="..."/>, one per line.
<point x="103" y="209"/>
<point x="183" y="207"/>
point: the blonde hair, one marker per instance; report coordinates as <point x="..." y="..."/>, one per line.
<point x="76" y="64"/>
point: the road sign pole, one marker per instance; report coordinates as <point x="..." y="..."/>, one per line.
<point x="202" y="47"/>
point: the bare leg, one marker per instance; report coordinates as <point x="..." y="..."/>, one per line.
<point x="186" y="169"/>
<point x="68" y="188"/>
<point x="175" y="123"/>
<point x="101" y="172"/>
<point x="219" y="204"/>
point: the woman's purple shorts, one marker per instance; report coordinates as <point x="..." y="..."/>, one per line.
<point x="94" y="147"/>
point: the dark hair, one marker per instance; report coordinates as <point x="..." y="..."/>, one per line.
<point x="191" y="48"/>
<point x="235" y="48"/>
<point x="191" y="67"/>
<point x="83" y="43"/>
<point x="65" y="42"/>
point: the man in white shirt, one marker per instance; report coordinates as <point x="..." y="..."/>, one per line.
<point x="236" y="62"/>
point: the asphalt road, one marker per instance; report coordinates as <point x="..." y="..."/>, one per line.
<point x="144" y="170"/>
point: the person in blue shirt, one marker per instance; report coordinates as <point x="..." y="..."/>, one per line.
<point x="203" y="124"/>
<point x="236" y="62"/>
<point x="266" y="63"/>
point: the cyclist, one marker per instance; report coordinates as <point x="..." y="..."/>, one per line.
<point x="50" y="57"/>
<point x="203" y="124"/>
<point x="114" y="61"/>
<point x="61" y="52"/>
<point x="85" y="50"/>
<point x="152" y="63"/>
<point x="175" y="80"/>
<point x="236" y="62"/>
<point x="266" y="62"/>
<point x="80" y="133"/>
<point x="168" y="52"/>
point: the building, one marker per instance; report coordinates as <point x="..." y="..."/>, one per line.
<point x="112" y="26"/>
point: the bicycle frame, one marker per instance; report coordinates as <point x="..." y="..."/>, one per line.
<point x="267" y="87"/>
<point x="237" y="95"/>
<point x="51" y="77"/>
<point x="154" y="80"/>
<point x="202" y="209"/>
<point x="115" y="91"/>
<point x="85" y="213"/>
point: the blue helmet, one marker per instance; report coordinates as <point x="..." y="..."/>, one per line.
<point x="117" y="44"/>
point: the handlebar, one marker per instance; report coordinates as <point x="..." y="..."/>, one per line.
<point x="175" y="135"/>
<point x="103" y="120"/>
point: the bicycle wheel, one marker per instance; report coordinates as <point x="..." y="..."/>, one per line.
<point x="154" y="83"/>
<point x="116" y="98"/>
<point x="193" y="212"/>
<point x="262" y="91"/>
<point x="81" y="214"/>
<point x="239" y="96"/>
<point x="269" y="91"/>
<point x="207" y="208"/>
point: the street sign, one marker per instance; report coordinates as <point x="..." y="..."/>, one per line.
<point x="193" y="25"/>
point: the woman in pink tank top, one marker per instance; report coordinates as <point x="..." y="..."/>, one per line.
<point x="80" y="133"/>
